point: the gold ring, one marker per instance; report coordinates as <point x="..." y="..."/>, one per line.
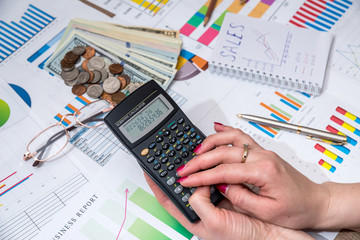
<point x="245" y="154"/>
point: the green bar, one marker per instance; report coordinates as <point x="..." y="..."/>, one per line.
<point x="216" y="27"/>
<point x="195" y="21"/>
<point x="295" y="99"/>
<point x="149" y="203"/>
<point x="203" y="10"/>
<point x="115" y="212"/>
<point x="147" y="231"/>
<point x="94" y="231"/>
<point x="220" y="19"/>
<point x="278" y="109"/>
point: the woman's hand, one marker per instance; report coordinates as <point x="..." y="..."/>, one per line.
<point x="285" y="196"/>
<point x="222" y="222"/>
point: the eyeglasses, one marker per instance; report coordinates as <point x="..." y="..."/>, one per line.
<point x="52" y="140"/>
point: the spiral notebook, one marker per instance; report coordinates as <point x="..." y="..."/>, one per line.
<point x="271" y="53"/>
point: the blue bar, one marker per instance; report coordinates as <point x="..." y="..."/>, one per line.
<point x="31" y="22"/>
<point x="41" y="65"/>
<point x="69" y="109"/>
<point x="333" y="12"/>
<point x="351" y="141"/>
<point x="21" y="39"/>
<point x="329" y="16"/>
<point x="348" y="2"/>
<point x="34" y="18"/>
<point x="63" y="122"/>
<point x="357" y="120"/>
<point x="341" y="5"/>
<point x="342" y="149"/>
<point x="39" y="16"/>
<point x="10" y="38"/>
<point x="11" y="27"/>
<point x="262" y="129"/>
<point x="2" y="58"/>
<point x="80" y="100"/>
<point x="44" y="48"/>
<point x="313" y="26"/>
<point x="186" y="54"/>
<point x="5" y="47"/>
<point x="277" y="118"/>
<point x="32" y="34"/>
<point x="5" y="53"/>
<point x="335" y="7"/>
<point x="332" y="169"/>
<point x="200" y="15"/>
<point x="14" y="186"/>
<point x="305" y="94"/>
<point x="8" y="43"/>
<point x="322" y="24"/>
<point x="357" y="132"/>
<point x="325" y="20"/>
<point x="30" y="5"/>
<point x="289" y="104"/>
<point x="27" y="25"/>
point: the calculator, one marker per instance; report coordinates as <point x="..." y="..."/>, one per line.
<point x="161" y="137"/>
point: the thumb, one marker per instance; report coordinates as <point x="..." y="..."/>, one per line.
<point x="201" y="203"/>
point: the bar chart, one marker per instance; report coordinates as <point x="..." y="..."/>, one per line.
<point x="189" y="65"/>
<point x="15" y="34"/>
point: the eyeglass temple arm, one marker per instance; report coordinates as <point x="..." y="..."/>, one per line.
<point x="58" y="135"/>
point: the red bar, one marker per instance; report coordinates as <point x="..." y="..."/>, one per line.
<point x="332" y="129"/>
<point x="341" y="110"/>
<point x="8" y="177"/>
<point x="299" y="19"/>
<point x="311" y="7"/>
<point x="337" y="120"/>
<point x="322" y="1"/>
<point x="321" y="162"/>
<point x="307" y="11"/>
<point x="296" y="24"/>
<point x="316" y="4"/>
<point x="320" y="148"/>
<point x="305" y="16"/>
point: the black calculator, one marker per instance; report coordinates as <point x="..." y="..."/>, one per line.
<point x="160" y="136"/>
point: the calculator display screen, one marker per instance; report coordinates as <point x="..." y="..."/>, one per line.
<point x="146" y="119"/>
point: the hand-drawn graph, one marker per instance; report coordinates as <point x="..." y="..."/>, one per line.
<point x="262" y="40"/>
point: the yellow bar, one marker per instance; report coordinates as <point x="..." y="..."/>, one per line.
<point x="259" y="10"/>
<point x="330" y="154"/>
<point x="2" y="186"/>
<point x="1" y="205"/>
<point x="235" y="7"/>
<point x="137" y="1"/>
<point x="351" y="116"/>
<point x="181" y="62"/>
<point x="216" y="4"/>
<point x="349" y="127"/>
<point x="326" y="165"/>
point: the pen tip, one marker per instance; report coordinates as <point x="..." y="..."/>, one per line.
<point x="239" y="115"/>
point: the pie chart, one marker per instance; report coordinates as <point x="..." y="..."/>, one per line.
<point x="4" y="112"/>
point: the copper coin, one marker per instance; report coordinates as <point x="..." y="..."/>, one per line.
<point x="122" y="81"/>
<point x="91" y="77"/>
<point x="84" y="65"/>
<point x="116" y="68"/>
<point x="70" y="57"/>
<point x="106" y="96"/>
<point x="78" y="89"/>
<point x="126" y="77"/>
<point x="89" y="53"/>
<point x="118" y="97"/>
<point x="65" y="64"/>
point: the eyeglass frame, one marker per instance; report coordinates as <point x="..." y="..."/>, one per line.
<point x="59" y="134"/>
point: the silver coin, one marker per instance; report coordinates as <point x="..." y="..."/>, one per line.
<point x="68" y="69"/>
<point x="96" y="63"/>
<point x="108" y="62"/>
<point x="111" y="85"/>
<point x="104" y="75"/>
<point x="71" y="75"/>
<point x="83" y="77"/>
<point x="94" y="91"/>
<point x="97" y="76"/>
<point x="79" y="50"/>
<point x="70" y="83"/>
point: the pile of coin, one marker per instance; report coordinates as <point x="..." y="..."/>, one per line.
<point x="95" y="75"/>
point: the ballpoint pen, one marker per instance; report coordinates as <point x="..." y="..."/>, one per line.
<point x="311" y="133"/>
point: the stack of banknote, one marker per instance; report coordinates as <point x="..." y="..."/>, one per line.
<point x="145" y="53"/>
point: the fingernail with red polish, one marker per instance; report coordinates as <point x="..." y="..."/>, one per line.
<point x="217" y="123"/>
<point x="197" y="148"/>
<point x="181" y="179"/>
<point x="180" y="168"/>
<point x="222" y="188"/>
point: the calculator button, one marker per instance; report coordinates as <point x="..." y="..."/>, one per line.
<point x="180" y="134"/>
<point x="172" y="153"/>
<point x="192" y="190"/>
<point x="150" y="159"/>
<point x="179" y="147"/>
<point x="212" y="189"/>
<point x="178" y="160"/>
<point x="172" y="140"/>
<point x="185" y="154"/>
<point x="187" y="128"/>
<point x="191" y="208"/>
<point x="157" y="166"/>
<point x="192" y="147"/>
<point x="165" y="146"/>
<point x="163" y="173"/>
<point x="171" y="181"/>
<point x="164" y="159"/>
<point x="178" y="189"/>
<point x="166" y="133"/>
<point x="174" y="127"/>
<point x="193" y="134"/>
<point x="186" y="197"/>
<point x="158" y="152"/>
<point x="144" y="152"/>
<point x="152" y="145"/>
<point x="199" y="141"/>
<point x="171" y="167"/>
<point x="181" y="120"/>
<point x="186" y="141"/>
<point x="159" y="139"/>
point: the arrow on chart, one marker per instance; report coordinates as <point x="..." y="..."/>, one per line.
<point x="122" y="225"/>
